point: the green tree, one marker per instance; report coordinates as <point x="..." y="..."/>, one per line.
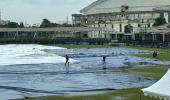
<point x="45" y="23"/>
<point x="169" y="26"/>
<point x="12" y="25"/>
<point x="66" y="25"/>
<point x="159" y="21"/>
<point x="21" y="25"/>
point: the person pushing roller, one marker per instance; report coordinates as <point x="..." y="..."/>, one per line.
<point x="155" y="53"/>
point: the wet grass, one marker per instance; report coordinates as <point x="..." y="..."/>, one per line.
<point x="127" y="94"/>
<point x="155" y="72"/>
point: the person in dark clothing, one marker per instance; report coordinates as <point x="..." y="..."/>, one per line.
<point x="104" y="59"/>
<point x="67" y="64"/>
<point x="104" y="62"/>
<point x="67" y="60"/>
<point x="155" y="54"/>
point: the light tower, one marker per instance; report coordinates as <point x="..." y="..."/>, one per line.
<point x="0" y="17"/>
<point x="67" y="20"/>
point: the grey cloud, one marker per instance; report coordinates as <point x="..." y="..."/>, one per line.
<point x="34" y="10"/>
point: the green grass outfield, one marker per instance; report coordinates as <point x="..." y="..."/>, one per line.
<point x="128" y="94"/>
<point x="155" y="72"/>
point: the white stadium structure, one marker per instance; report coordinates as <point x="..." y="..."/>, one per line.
<point x="132" y="19"/>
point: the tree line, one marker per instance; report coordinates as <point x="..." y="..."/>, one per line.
<point x="13" y="25"/>
<point x="47" y="23"/>
<point x="161" y="21"/>
<point x="44" y="24"/>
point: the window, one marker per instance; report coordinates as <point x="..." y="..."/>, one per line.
<point x="169" y="17"/>
<point x="161" y="14"/>
<point x="139" y="25"/>
<point x="120" y="27"/>
<point x="128" y="29"/>
<point x="149" y="25"/>
<point x="112" y="26"/>
<point x="142" y="20"/>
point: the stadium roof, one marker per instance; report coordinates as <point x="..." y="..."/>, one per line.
<point x="109" y="6"/>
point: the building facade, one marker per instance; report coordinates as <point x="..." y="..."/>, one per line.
<point x="130" y="18"/>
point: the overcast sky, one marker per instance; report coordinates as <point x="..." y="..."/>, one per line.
<point x="33" y="11"/>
